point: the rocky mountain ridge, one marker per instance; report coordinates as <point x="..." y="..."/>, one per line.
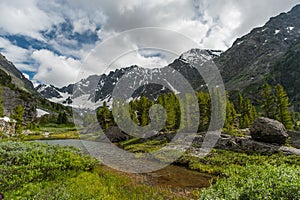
<point x="93" y="90"/>
<point x="267" y="54"/>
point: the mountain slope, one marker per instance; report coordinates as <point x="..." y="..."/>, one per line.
<point x="267" y="54"/>
<point x="17" y="77"/>
<point x="251" y="58"/>
<point x="92" y="91"/>
<point x="17" y="90"/>
<point x="286" y="71"/>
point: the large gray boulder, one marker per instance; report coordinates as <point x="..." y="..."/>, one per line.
<point x="269" y="131"/>
<point x="115" y="134"/>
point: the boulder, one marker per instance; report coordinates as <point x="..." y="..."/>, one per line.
<point x="268" y="131"/>
<point x="294" y="138"/>
<point x="115" y="134"/>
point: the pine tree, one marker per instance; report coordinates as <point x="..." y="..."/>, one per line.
<point x="104" y="116"/>
<point x="171" y="111"/>
<point x="134" y="112"/>
<point x="230" y="115"/>
<point x="282" y="104"/>
<point x="144" y="107"/>
<point x="247" y="112"/>
<point x="62" y="118"/>
<point x="161" y="100"/>
<point x="267" y="101"/>
<point x="204" y="109"/>
<point x="18" y="116"/>
<point x="1" y="103"/>
<point x="240" y="104"/>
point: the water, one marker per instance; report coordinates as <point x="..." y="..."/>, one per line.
<point x="171" y="176"/>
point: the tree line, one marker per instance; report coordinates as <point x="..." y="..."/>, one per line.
<point x="240" y="113"/>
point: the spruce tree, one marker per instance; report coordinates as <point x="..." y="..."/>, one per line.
<point x="18" y="116"/>
<point x="247" y="112"/>
<point x="230" y="115"/>
<point x="267" y="101"/>
<point x="104" y="116"/>
<point x="171" y="111"/>
<point x="281" y="106"/>
<point x="204" y="109"/>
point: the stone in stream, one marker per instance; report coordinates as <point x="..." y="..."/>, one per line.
<point x="268" y="131"/>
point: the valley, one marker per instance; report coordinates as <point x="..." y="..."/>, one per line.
<point x="240" y="141"/>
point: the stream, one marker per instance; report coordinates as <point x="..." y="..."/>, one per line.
<point x="173" y="176"/>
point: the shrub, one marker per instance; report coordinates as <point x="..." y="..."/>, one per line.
<point x="257" y="182"/>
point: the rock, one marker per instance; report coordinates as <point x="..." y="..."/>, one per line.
<point x="115" y="134"/>
<point x="294" y="138"/>
<point x="269" y="131"/>
<point x="242" y="144"/>
<point x="289" y="150"/>
<point x="13" y="98"/>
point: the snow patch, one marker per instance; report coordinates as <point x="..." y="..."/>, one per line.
<point x="171" y="87"/>
<point x="239" y="43"/>
<point x="84" y="102"/>
<point x="41" y="112"/>
<point x="276" y="32"/>
<point x="7" y="119"/>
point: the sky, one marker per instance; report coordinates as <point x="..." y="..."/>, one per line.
<point x="50" y="41"/>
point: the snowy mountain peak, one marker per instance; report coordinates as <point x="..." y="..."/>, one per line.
<point x="200" y="55"/>
<point x="95" y="89"/>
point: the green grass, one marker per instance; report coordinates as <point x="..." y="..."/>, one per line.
<point x="255" y="182"/>
<point x="53" y="136"/>
<point x="136" y="146"/>
<point x="56" y="131"/>
<point x="57" y="128"/>
<point x="240" y="175"/>
<point x="248" y="176"/>
<point x="38" y="171"/>
<point x="218" y="161"/>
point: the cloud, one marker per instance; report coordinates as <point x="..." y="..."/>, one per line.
<point x="54" y="69"/>
<point x="72" y="28"/>
<point x="25" y="18"/>
<point x="19" y="56"/>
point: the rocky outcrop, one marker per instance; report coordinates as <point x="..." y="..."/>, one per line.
<point x="248" y="62"/>
<point x="13" y="98"/>
<point x="115" y="134"/>
<point x="244" y="144"/>
<point x="7" y="127"/>
<point x="294" y="138"/>
<point x="268" y="131"/>
<point x="17" y="77"/>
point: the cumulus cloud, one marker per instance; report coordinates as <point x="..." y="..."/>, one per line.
<point x="25" y="18"/>
<point x="72" y="28"/>
<point x="16" y="54"/>
<point x="54" y="69"/>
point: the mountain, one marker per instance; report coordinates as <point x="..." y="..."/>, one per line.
<point x="17" y="78"/>
<point x="92" y="91"/>
<point x="17" y="90"/>
<point x="286" y="71"/>
<point x="251" y="59"/>
<point x="267" y="54"/>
